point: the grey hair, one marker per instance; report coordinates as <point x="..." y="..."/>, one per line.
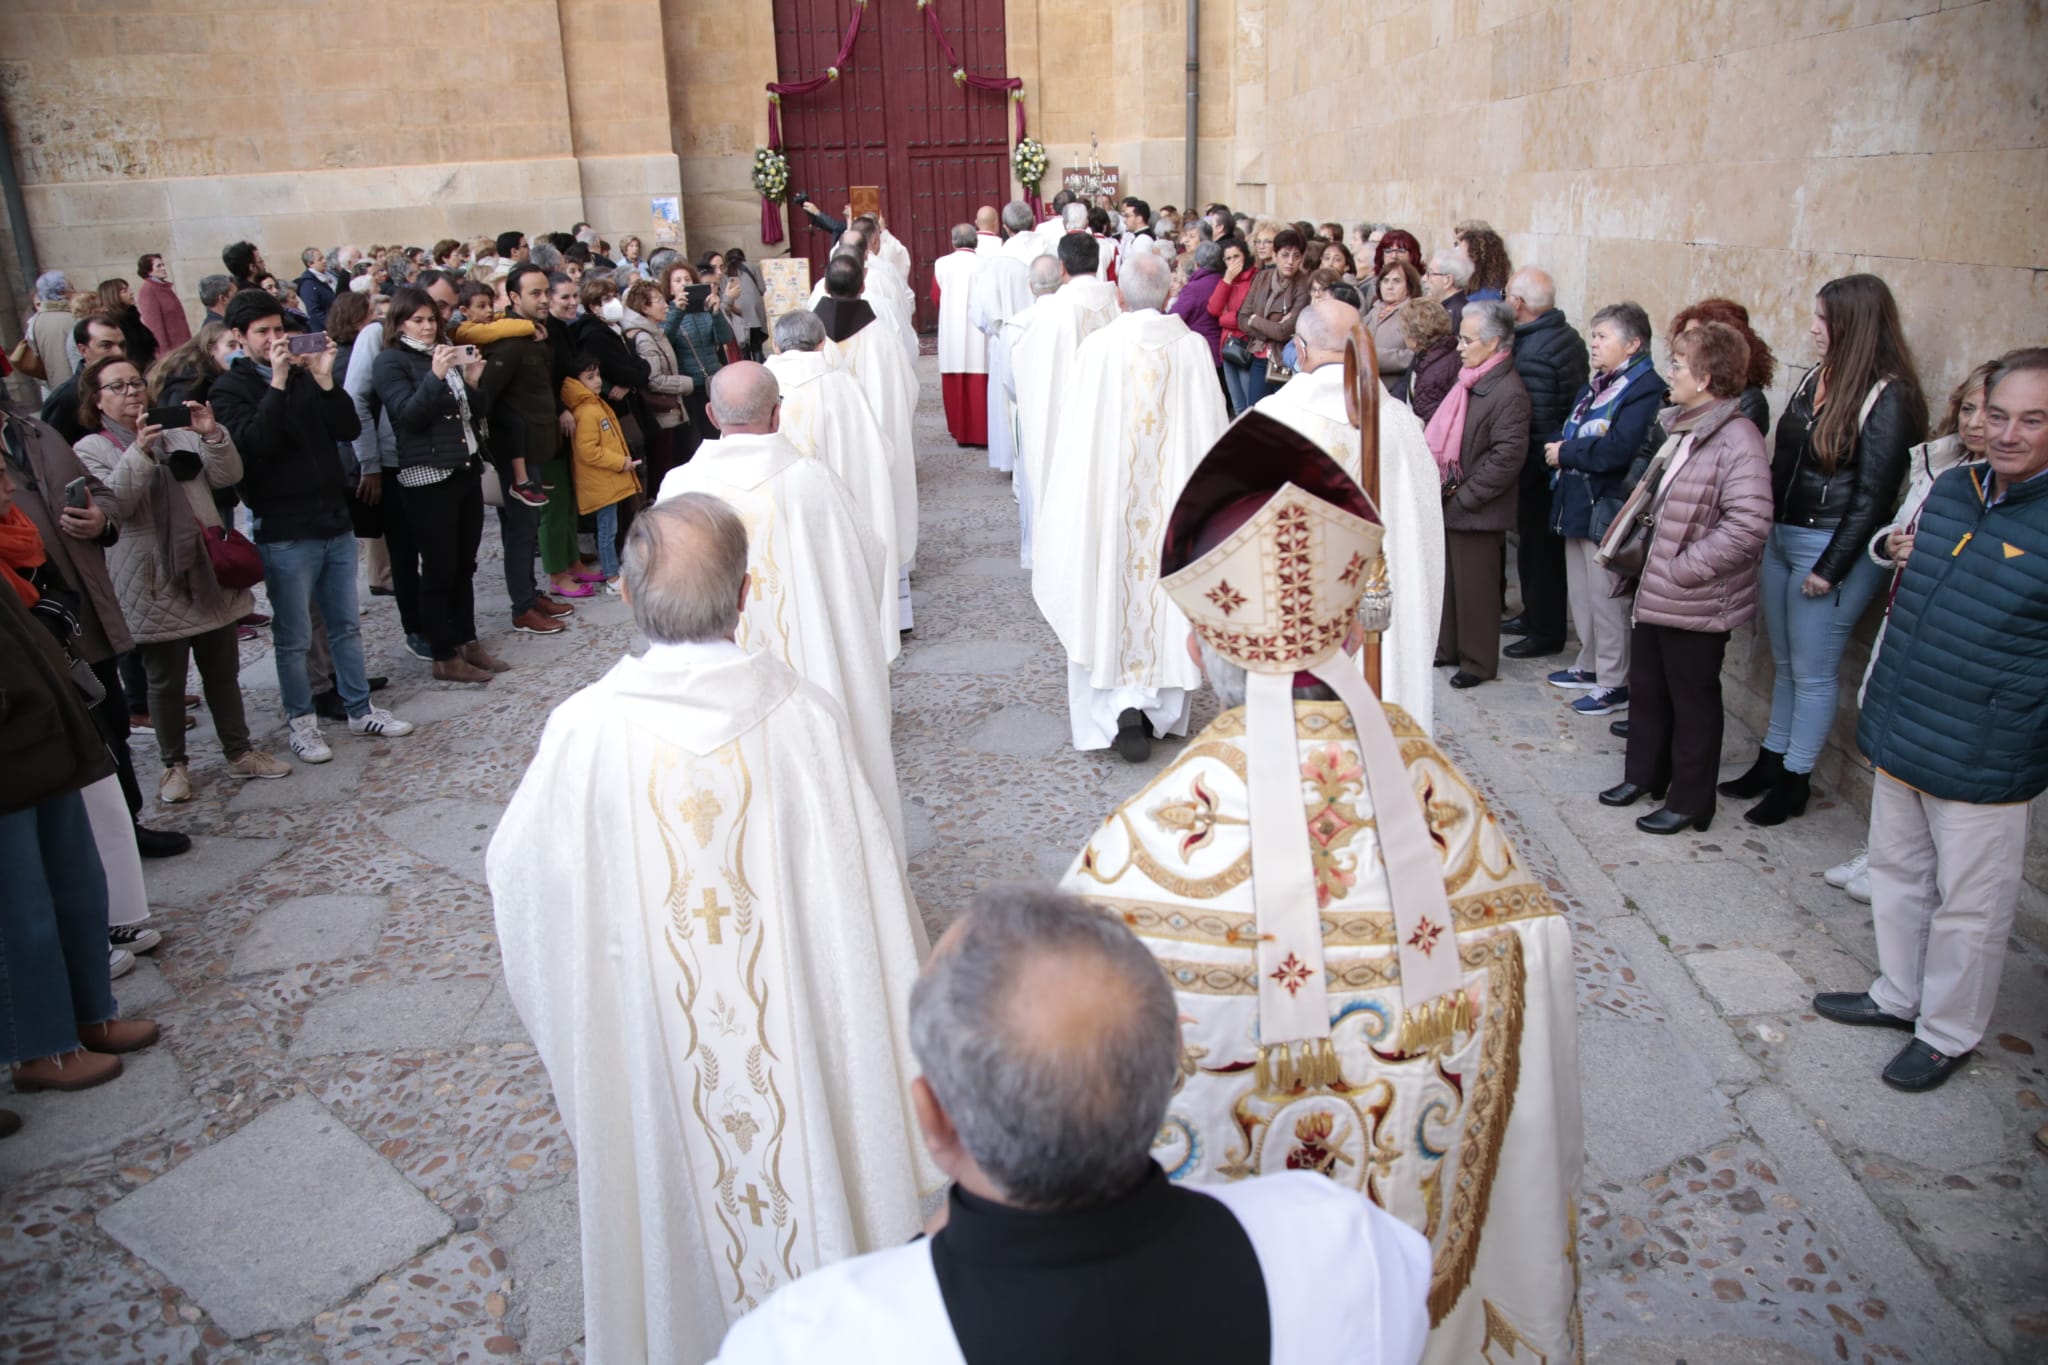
<point x="1045" y="274"/>
<point x="1453" y="262"/>
<point x="1496" y="319"/>
<point x="743" y="395"/>
<point x="1533" y="287"/>
<point x="1629" y="318"/>
<point x="1208" y="256"/>
<point x="965" y="236"/>
<point x="544" y="255"/>
<point x="1075" y="216"/>
<point x="306" y="256"/>
<point x="1144" y="281"/>
<point x="1054" y="1123"/>
<point x="799" y="330"/>
<point x="1017" y="216"/>
<point x="659" y="262"/>
<point x="684" y="560"/>
<point x="52" y="285"/>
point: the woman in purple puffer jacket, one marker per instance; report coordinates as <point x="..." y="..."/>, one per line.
<point x="1191" y="305"/>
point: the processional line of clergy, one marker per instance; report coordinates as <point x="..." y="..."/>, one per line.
<point x="1371" y="986"/>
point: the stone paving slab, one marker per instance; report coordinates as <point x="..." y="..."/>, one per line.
<point x="213" y="866"/>
<point x="272" y="1224"/>
<point x="1748" y="981"/>
<point x="308" y="929"/>
<point x="149" y="1095"/>
<point x="541" y="1238"/>
<point x="393" y="1016"/>
<point x="1654" y="1101"/>
<point x="453" y="834"/>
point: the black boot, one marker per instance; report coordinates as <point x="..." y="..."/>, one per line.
<point x="1133" y="740"/>
<point x="1768" y="768"/>
<point x="1787" y="798"/>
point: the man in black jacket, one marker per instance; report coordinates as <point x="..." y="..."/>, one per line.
<point x="96" y="337"/>
<point x="522" y="394"/>
<point x="1551" y="358"/>
<point x="287" y="415"/>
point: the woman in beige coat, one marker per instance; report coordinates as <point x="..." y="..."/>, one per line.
<point x="162" y="483"/>
<point x="673" y="440"/>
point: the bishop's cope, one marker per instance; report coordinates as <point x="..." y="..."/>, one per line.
<point x="1369" y="983"/>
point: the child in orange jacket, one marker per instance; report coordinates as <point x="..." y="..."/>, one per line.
<point x="606" y="472"/>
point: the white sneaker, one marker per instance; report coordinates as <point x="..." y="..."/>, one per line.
<point x="120" y="962"/>
<point x="378" y="722"/>
<point x="1841" y="874"/>
<point x="1859" y="888"/>
<point x="306" y="740"/>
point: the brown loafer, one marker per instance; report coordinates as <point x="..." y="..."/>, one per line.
<point x="551" y="607"/>
<point x="475" y="655"/>
<point x="119" y="1036"/>
<point x="459" y="670"/>
<point x="80" y="1070"/>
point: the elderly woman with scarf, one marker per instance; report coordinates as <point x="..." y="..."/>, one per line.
<point x="1608" y="427"/>
<point x="427" y="395"/>
<point x="162" y="483"/>
<point x="1479" y="435"/>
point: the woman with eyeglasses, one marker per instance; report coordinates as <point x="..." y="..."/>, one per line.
<point x="177" y="611"/>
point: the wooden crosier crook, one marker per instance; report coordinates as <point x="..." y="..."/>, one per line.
<point x="1362" y="406"/>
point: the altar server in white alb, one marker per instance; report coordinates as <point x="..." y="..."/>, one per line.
<point x="1370" y="985"/>
<point x="859" y="345"/>
<point x="1145" y="407"/>
<point x="819" y="600"/>
<point x="706" y="930"/>
<point x="1046" y="318"/>
<point x="882" y="290"/>
<point x="988" y="240"/>
<point x="1410" y="502"/>
<point x="1048" y="337"/>
<point x="963" y="348"/>
<point x="1002" y="290"/>
<point x="824" y="416"/>
<point x="1049" y="1047"/>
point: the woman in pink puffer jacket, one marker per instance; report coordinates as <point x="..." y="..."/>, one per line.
<point x="1698" y="583"/>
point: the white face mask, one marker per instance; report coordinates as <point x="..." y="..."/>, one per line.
<point x="613" y="310"/>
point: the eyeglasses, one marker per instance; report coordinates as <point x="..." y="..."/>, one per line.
<point x="123" y="386"/>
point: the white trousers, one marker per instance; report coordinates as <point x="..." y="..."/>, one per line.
<point x="1600" y="619"/>
<point x="1944" y="887"/>
<point x="1093" y="710"/>
<point x="113" y="833"/>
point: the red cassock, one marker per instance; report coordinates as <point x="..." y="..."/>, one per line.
<point x="963" y="357"/>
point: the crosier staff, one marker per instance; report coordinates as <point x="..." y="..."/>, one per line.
<point x="1362" y="406"/>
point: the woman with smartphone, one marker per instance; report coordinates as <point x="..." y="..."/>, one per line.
<point x="426" y="387"/>
<point x="162" y="465"/>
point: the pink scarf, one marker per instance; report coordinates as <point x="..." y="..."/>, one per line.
<point x="1446" y="430"/>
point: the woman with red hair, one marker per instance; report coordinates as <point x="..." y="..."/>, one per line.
<point x="1763" y="366"/>
<point x="1398" y="244"/>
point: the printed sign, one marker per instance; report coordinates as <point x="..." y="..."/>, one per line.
<point x="788" y="285"/>
<point x="1075" y="179"/>
<point x="668" y="218"/>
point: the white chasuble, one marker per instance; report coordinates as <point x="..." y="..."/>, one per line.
<point x="1476" y="1142"/>
<point x="820" y="601"/>
<point x="1002" y="290"/>
<point x="894" y="307"/>
<point x="1142" y="411"/>
<point x="889" y="384"/>
<point x="706" y="930"/>
<point x="896" y="254"/>
<point x="1049" y="333"/>
<point x="962" y="348"/>
<point x="988" y="243"/>
<point x="1410" y="507"/>
<point x="825" y="417"/>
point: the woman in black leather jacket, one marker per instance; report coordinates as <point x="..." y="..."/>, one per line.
<point x="1841" y="454"/>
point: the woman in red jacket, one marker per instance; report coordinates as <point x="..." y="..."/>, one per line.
<point x="1228" y="297"/>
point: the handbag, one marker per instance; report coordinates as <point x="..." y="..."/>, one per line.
<point x="24" y="358"/>
<point x="493" y="487"/>
<point x="1236" y="353"/>
<point x="236" y="563"/>
<point x="1277" y="371"/>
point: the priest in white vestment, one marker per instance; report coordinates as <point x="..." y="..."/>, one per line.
<point x="963" y="349"/>
<point x="824" y="416"/>
<point x="1049" y="1047"/>
<point x="988" y="238"/>
<point x="858" y="344"/>
<point x="707" y="932"/>
<point x="1002" y="290"/>
<point x="1410" y="504"/>
<point x="883" y="290"/>
<point x="1370" y="985"/>
<point x="1049" y="334"/>
<point x="1144" y="409"/>
<point x="1048" y="321"/>
<point x="820" y="598"/>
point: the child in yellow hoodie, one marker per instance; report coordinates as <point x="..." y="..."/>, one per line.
<point x="480" y="326"/>
<point x="606" y="472"/>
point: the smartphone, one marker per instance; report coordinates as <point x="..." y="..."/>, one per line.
<point x="75" y="494"/>
<point x="177" y="415"/>
<point x="467" y="355"/>
<point x="307" y="343"/>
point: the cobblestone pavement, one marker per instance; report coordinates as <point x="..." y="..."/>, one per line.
<point x="345" y="1150"/>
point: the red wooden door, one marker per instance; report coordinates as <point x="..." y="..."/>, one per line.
<point x="895" y="118"/>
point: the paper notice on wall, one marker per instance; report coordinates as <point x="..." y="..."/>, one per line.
<point x="668" y="219"/>
<point x="788" y="285"/>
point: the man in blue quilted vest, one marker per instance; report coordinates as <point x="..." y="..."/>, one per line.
<point x="1956" y="723"/>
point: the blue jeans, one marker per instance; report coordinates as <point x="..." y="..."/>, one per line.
<point x="53" y="930"/>
<point x="1807" y="636"/>
<point x="1246" y="385"/>
<point x="300" y="573"/>
<point x="608" y="540"/>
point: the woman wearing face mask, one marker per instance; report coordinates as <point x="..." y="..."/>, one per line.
<point x="600" y="331"/>
<point x="177" y="611"/>
<point x="435" y="413"/>
<point x="1842" y="449"/>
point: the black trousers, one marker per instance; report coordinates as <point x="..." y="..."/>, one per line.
<point x="1539" y="555"/>
<point x="112" y="716"/>
<point x="1674" y="716"/>
<point x="447" y="524"/>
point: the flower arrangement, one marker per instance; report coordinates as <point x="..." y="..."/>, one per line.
<point x="1029" y="162"/>
<point x="771" y="173"/>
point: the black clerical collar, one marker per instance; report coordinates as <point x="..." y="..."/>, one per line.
<point x="986" y="1233"/>
<point x="843" y="317"/>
